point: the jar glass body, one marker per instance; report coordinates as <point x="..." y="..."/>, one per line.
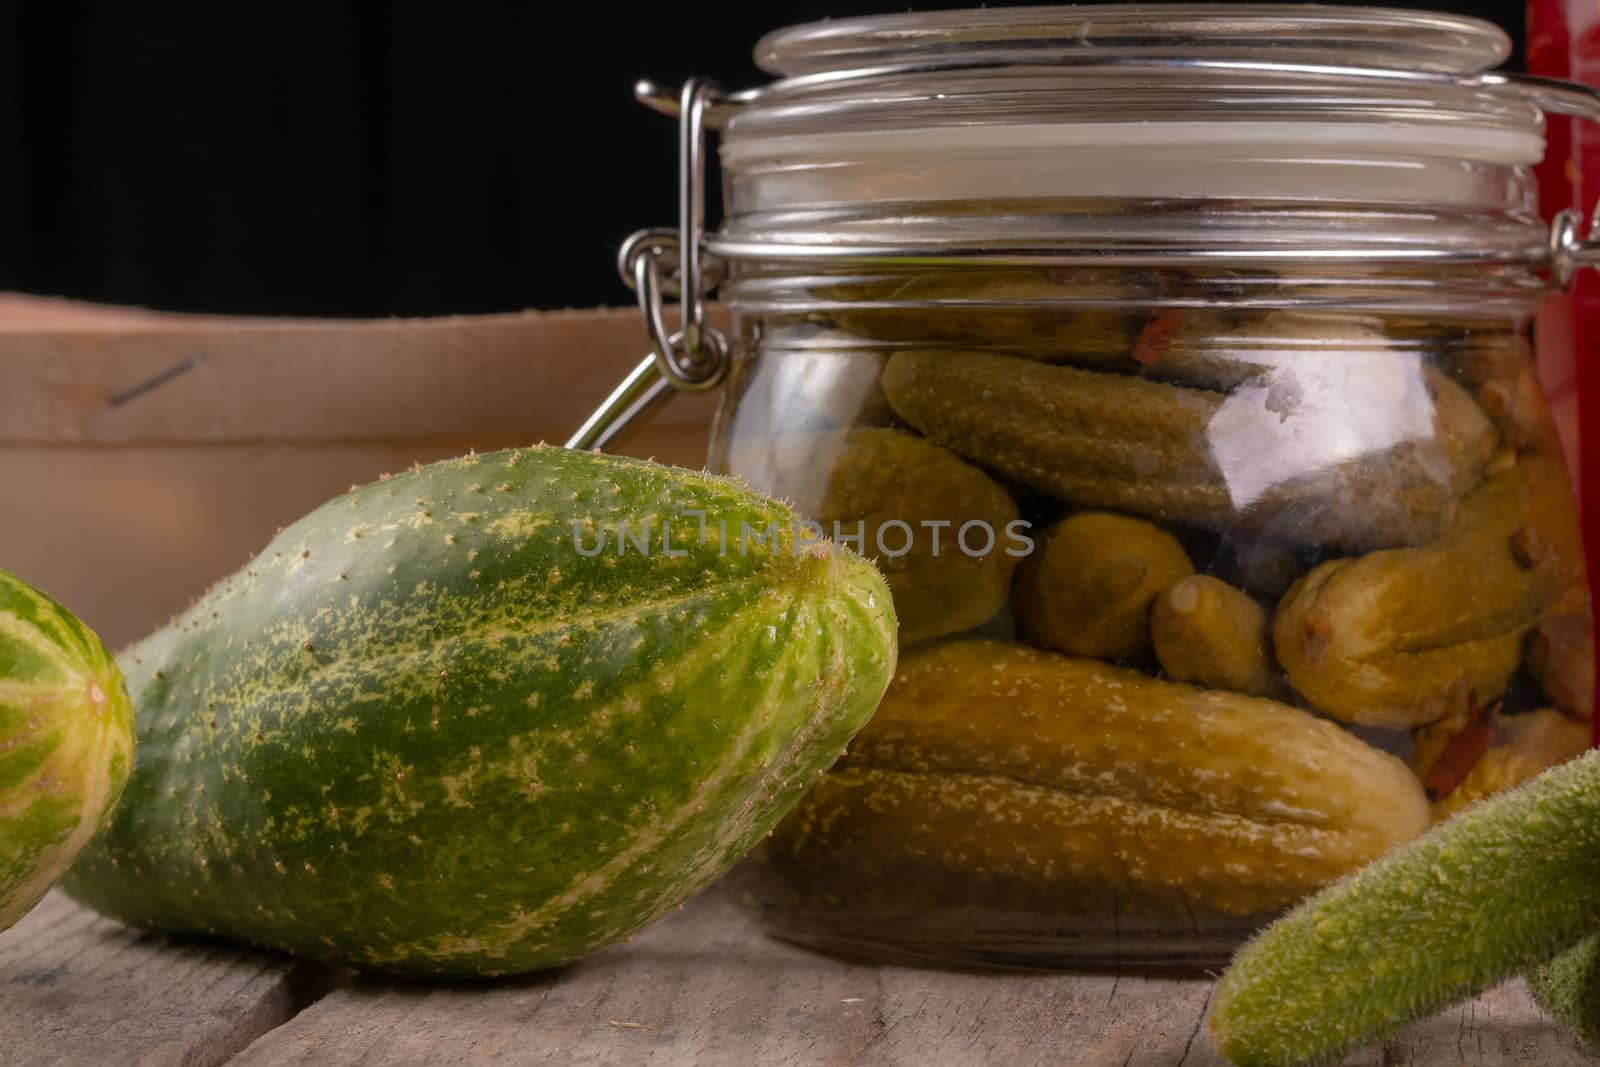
<point x="1218" y="576"/>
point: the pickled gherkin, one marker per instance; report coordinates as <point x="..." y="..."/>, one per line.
<point x="1213" y="635"/>
<point x="1057" y="781"/>
<point x="1272" y="459"/>
<point x="946" y="535"/>
<point x="1089" y="583"/>
<point x="1407" y="636"/>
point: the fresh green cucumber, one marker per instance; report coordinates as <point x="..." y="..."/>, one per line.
<point x="1496" y="890"/>
<point x="484" y="717"/>
<point x="66" y="742"/>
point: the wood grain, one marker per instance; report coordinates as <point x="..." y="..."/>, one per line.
<point x="194" y="380"/>
<point x="705" y="987"/>
<point x="79" y="989"/>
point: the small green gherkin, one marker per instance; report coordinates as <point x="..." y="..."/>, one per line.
<point x="66" y="742"/>
<point x="1568" y="987"/>
<point x="1498" y="889"/>
<point x="488" y="715"/>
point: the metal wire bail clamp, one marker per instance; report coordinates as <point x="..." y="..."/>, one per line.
<point x="655" y="263"/>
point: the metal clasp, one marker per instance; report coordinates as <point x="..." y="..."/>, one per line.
<point x="1571" y="250"/>
<point x="655" y="263"/>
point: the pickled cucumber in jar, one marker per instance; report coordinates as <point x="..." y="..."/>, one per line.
<point x="1277" y="566"/>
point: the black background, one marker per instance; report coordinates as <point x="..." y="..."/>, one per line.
<point x="357" y="159"/>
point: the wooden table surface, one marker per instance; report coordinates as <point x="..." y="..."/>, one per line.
<point x="703" y="986"/>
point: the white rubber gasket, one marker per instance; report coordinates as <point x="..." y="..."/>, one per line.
<point x="1474" y="144"/>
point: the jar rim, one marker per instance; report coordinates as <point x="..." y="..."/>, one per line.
<point x="1370" y="37"/>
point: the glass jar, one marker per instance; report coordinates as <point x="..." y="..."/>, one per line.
<point x="1173" y="363"/>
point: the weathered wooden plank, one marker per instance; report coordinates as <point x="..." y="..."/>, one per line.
<point x="702" y="987"/>
<point x="705" y="987"/>
<point x="78" y="989"/>
<point x="1503" y="1026"/>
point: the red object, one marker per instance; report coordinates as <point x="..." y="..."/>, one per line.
<point x="1462" y="753"/>
<point x="1156" y="337"/>
<point x="1564" y="42"/>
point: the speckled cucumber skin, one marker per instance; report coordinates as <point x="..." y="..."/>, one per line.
<point x="66" y="742"/>
<point x="1568" y="987"/>
<point x="1498" y="889"/>
<point x="424" y="733"/>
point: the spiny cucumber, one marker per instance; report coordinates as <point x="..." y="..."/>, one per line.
<point x="1496" y="890"/>
<point x="488" y="715"/>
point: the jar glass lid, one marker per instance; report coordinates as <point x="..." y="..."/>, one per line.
<point x="1086" y="77"/>
<point x="1311" y="34"/>
<point x="1140" y="134"/>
